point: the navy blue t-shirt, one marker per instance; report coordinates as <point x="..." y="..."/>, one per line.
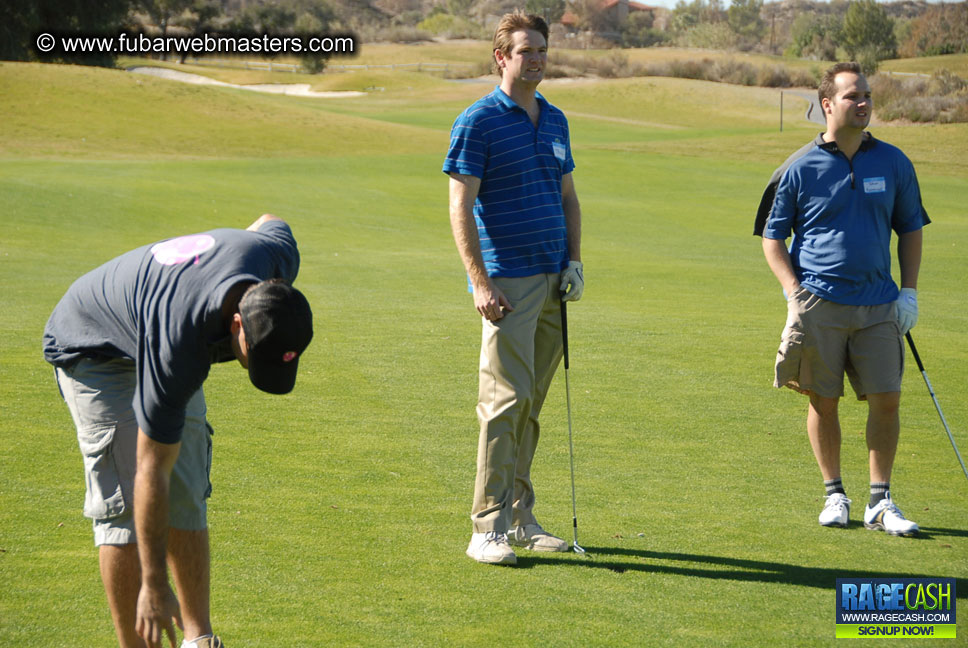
<point x="161" y="306"/>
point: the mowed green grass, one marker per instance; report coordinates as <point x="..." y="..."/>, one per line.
<point x="956" y="63"/>
<point x="339" y="515"/>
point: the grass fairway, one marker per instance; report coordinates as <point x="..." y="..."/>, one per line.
<point x="340" y="512"/>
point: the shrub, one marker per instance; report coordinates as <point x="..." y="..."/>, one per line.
<point x="312" y="64"/>
<point x="562" y="65"/>
<point x="710" y="36"/>
<point x="805" y="79"/>
<point x="773" y="76"/>
<point x="941" y="98"/>
<point x="400" y="34"/>
<point x="690" y="69"/>
<point x="736" y="72"/>
<point x="657" y="69"/>
<point x="613" y="65"/>
<point x="468" y="71"/>
<point x="449" y="26"/>
<point x="943" y="82"/>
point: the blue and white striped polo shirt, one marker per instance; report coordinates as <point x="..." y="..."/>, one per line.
<point x="520" y="219"/>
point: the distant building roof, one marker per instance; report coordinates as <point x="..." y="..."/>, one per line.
<point x="633" y="6"/>
<point x="570" y="19"/>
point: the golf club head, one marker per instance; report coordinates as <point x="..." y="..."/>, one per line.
<point x="578" y="550"/>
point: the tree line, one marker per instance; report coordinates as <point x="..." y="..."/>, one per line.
<point x="863" y="30"/>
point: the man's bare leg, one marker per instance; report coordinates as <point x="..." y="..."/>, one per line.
<point x="823" y="429"/>
<point x="883" y="431"/>
<point x="121" y="575"/>
<point x="188" y="559"/>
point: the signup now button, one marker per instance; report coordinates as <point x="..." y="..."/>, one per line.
<point x="865" y="631"/>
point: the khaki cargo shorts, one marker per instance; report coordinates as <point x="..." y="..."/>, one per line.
<point x="823" y="340"/>
<point x="99" y="395"/>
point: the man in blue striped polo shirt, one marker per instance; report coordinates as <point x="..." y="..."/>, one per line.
<point x="517" y="224"/>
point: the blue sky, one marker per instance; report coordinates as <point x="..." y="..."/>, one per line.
<point x="672" y="3"/>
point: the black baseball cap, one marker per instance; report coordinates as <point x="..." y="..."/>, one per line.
<point x="278" y="325"/>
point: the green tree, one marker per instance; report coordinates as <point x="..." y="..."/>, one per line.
<point x="22" y="20"/>
<point x="816" y="37"/>
<point x="450" y="26"/>
<point x="200" y="17"/>
<point x="718" y="36"/>
<point x="18" y="20"/>
<point x="940" y="30"/>
<point x="282" y="16"/>
<point x="459" y="7"/>
<point x="639" y="31"/>
<point x="744" y="17"/>
<point x="550" y="10"/>
<point x="162" y="12"/>
<point x="592" y="18"/>
<point x="687" y="15"/>
<point x="307" y="24"/>
<point x="868" y="32"/>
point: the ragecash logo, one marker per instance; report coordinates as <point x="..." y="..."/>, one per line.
<point x="896" y="607"/>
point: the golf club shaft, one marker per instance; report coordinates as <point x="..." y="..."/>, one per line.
<point x="571" y="448"/>
<point x="937" y="406"/>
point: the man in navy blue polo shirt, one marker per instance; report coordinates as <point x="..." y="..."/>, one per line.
<point x="841" y="197"/>
<point x="517" y="224"/>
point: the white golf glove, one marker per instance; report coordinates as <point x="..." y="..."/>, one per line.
<point x="907" y="309"/>
<point x="572" y="276"/>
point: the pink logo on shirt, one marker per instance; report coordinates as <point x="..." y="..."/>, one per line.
<point x="182" y="249"/>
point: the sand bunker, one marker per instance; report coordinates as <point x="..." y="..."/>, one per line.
<point x="292" y="89"/>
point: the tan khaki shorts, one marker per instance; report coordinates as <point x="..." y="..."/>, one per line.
<point x="98" y="394"/>
<point x="822" y="341"/>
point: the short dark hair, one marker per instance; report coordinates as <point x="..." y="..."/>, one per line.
<point x="512" y="22"/>
<point x="827" y="89"/>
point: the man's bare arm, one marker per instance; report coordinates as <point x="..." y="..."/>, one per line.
<point x="265" y="218"/>
<point x="489" y="301"/>
<point x="572" y="209"/>
<point x="157" y="606"/>
<point x="909" y="257"/>
<point x="781" y="264"/>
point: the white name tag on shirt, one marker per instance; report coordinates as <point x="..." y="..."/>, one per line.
<point x="559" y="150"/>
<point x="875" y="185"/>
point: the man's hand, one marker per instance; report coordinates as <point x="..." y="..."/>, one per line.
<point x="907" y="309"/>
<point x="157" y="609"/>
<point x="490" y="302"/>
<point x="265" y="218"/>
<point x="572" y="276"/>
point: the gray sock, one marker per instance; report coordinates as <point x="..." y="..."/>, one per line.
<point x="878" y="492"/>
<point x="834" y="486"/>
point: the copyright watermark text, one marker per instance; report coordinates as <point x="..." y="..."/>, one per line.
<point x="135" y="43"/>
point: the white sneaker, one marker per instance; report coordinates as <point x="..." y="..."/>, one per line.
<point x="836" y="511"/>
<point x="208" y="641"/>
<point x="533" y="537"/>
<point x="887" y="517"/>
<point x="492" y="548"/>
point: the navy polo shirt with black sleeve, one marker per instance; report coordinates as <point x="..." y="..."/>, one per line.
<point x="518" y="211"/>
<point x="841" y="213"/>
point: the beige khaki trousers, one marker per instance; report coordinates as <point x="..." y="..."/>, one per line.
<point x="519" y="355"/>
